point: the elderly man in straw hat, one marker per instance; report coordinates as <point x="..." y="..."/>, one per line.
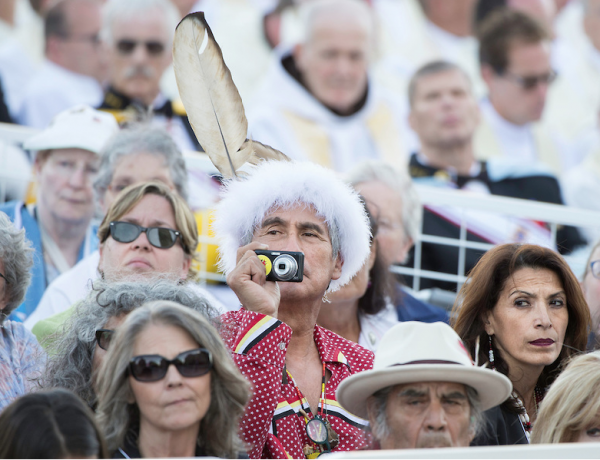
<point x="294" y="365"/>
<point x="424" y="390"/>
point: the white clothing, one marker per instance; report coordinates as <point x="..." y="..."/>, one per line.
<point x="528" y="144"/>
<point x="238" y="27"/>
<point x="409" y="40"/>
<point x="287" y="117"/>
<point x="373" y="327"/>
<point x="516" y="141"/>
<point x="74" y="285"/>
<point x="15" y="173"/>
<point x="21" y="55"/>
<point x="53" y="90"/>
<point x="581" y="188"/>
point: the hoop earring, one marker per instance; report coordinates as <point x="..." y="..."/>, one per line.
<point x="491" y="354"/>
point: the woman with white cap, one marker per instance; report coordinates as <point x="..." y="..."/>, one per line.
<point x="58" y="224"/>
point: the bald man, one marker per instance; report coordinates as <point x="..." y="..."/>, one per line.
<point x="318" y="103"/>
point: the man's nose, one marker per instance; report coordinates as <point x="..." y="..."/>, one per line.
<point x="79" y="178"/>
<point x="435" y="419"/>
<point x="142" y="241"/>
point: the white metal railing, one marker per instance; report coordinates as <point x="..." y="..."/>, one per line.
<point x="15" y="134"/>
<point x="532" y="451"/>
<point x="552" y="214"/>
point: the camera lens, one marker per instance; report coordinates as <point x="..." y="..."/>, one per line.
<point x="285" y="267"/>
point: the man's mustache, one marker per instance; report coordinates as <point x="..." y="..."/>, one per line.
<point x="139" y="71"/>
<point x="434" y="440"/>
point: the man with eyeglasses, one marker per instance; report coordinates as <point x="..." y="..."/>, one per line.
<point x="74" y="67"/>
<point x="139" y="37"/>
<point x="445" y="115"/>
<point x="514" y="54"/>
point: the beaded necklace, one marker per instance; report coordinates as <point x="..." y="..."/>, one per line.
<point x="523" y="415"/>
<point x="332" y="437"/>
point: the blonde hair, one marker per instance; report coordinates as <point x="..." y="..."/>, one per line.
<point x="572" y="404"/>
<point x="229" y="390"/>
<point x="184" y="219"/>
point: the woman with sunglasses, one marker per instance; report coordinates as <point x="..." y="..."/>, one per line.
<point x="168" y="387"/>
<point x="78" y="351"/>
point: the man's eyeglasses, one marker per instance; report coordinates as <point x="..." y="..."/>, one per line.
<point x="531" y="82"/>
<point x="151" y="368"/>
<point x="5" y="279"/>
<point x="159" y="237"/>
<point x="595" y="268"/>
<point x="153" y="47"/>
<point x="103" y="337"/>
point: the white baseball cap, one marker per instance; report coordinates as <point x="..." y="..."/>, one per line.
<point x="412" y="352"/>
<point x="79" y="127"/>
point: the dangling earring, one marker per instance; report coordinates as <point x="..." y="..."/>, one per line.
<point x="325" y="299"/>
<point x="491" y="353"/>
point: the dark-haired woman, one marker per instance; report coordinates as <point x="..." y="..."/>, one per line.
<point x="523" y="311"/>
<point x="363" y="310"/>
<point x="50" y="424"/>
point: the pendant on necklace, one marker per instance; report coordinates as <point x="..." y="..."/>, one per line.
<point x="332" y="436"/>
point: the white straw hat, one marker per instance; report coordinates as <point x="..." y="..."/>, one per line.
<point x="79" y="127"/>
<point x="413" y="352"/>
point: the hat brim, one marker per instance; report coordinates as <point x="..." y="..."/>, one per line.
<point x="492" y="387"/>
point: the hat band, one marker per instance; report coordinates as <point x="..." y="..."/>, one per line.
<point x="428" y="361"/>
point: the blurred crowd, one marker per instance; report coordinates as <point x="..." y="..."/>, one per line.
<point x="123" y="331"/>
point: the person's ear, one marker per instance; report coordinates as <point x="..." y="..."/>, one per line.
<point x="187" y="263"/>
<point x="373" y="254"/>
<point x="487" y="74"/>
<point x="337" y="267"/>
<point x="299" y="53"/>
<point x="488" y="323"/>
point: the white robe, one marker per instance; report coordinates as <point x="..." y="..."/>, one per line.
<point x="54" y="89"/>
<point x="287" y="117"/>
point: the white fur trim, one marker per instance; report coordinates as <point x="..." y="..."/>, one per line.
<point x="246" y="202"/>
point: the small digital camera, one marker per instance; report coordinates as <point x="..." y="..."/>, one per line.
<point x="282" y="265"/>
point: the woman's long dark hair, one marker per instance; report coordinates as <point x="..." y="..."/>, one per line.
<point x="480" y="294"/>
<point x="380" y="290"/>
<point x="50" y="424"/>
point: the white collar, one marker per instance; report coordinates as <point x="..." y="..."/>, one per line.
<point x="502" y="124"/>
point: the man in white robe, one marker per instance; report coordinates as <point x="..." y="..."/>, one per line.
<point x="515" y="64"/>
<point x="74" y="65"/>
<point x="318" y="102"/>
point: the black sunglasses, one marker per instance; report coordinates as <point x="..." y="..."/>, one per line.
<point x="528" y="83"/>
<point x="151" y="368"/>
<point x="2" y="276"/>
<point x="159" y="237"/>
<point x="153" y="47"/>
<point x="103" y="337"/>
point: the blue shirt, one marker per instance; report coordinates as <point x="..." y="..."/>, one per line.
<point x="22" y="361"/>
<point x="18" y="213"/>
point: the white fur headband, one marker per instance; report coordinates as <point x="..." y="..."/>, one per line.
<point x="273" y="184"/>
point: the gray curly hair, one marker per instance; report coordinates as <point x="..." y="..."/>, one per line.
<point x="136" y="139"/>
<point x="17" y="255"/>
<point x="229" y="391"/>
<point x="72" y="349"/>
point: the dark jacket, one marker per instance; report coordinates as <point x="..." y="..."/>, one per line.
<point x="500" y="428"/>
<point x="410" y="308"/>
<point x="500" y="178"/>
